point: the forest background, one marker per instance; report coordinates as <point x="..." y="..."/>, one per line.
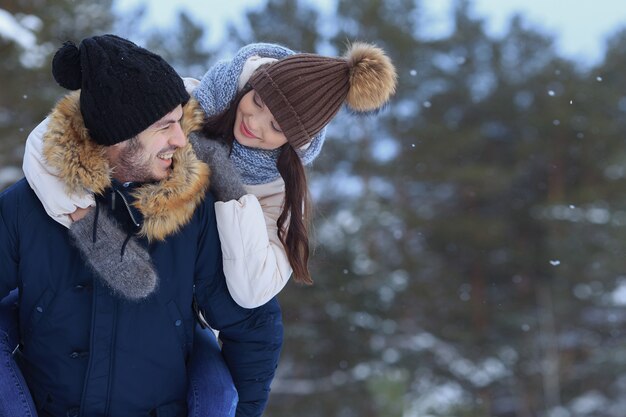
<point x="470" y="241"/>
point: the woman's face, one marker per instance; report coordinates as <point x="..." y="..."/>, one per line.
<point x="255" y="125"/>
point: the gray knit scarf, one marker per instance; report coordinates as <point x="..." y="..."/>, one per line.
<point x="258" y="166"/>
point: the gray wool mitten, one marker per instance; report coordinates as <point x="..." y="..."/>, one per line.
<point x="226" y="182"/>
<point x="129" y="273"/>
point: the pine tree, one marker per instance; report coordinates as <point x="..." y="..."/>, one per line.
<point x="28" y="90"/>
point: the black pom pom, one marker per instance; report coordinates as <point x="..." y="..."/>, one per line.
<point x="66" y="67"/>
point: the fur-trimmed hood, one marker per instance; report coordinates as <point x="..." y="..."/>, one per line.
<point x="166" y="205"/>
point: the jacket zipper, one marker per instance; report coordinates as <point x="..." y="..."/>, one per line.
<point x="113" y="356"/>
<point x="90" y="364"/>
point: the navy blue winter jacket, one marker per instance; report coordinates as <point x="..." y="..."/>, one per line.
<point x="85" y="351"/>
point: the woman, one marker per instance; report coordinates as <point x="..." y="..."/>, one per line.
<point x="274" y="123"/>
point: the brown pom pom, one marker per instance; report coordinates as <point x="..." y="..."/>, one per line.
<point x="373" y="77"/>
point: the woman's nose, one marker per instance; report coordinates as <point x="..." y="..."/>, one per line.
<point x="255" y="124"/>
<point x="261" y="121"/>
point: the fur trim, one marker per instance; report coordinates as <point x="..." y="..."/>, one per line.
<point x="373" y="77"/>
<point x="80" y="162"/>
<point x="193" y="117"/>
<point x="164" y="215"/>
<point x="82" y="166"/>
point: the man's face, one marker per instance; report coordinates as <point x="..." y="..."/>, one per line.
<point x="148" y="156"/>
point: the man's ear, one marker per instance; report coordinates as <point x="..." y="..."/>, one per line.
<point x="112" y="151"/>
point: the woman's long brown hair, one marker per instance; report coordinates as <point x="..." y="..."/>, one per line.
<point x="297" y="206"/>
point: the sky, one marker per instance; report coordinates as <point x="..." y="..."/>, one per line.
<point x="580" y="27"/>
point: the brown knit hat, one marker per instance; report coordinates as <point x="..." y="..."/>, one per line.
<point x="305" y="91"/>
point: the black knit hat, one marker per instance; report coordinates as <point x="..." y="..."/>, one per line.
<point x="124" y="88"/>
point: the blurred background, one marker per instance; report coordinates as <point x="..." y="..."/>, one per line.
<point x="470" y="242"/>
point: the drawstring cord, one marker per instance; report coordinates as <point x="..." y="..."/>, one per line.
<point x="94" y="236"/>
<point x="128" y="236"/>
<point x="130" y="212"/>
<point x="95" y="223"/>
<point x="135" y="222"/>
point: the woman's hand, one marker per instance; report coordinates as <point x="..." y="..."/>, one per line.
<point x="79" y="213"/>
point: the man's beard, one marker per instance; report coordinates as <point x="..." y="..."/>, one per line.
<point x="133" y="163"/>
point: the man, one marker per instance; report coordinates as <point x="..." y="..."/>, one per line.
<point x="107" y="331"/>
